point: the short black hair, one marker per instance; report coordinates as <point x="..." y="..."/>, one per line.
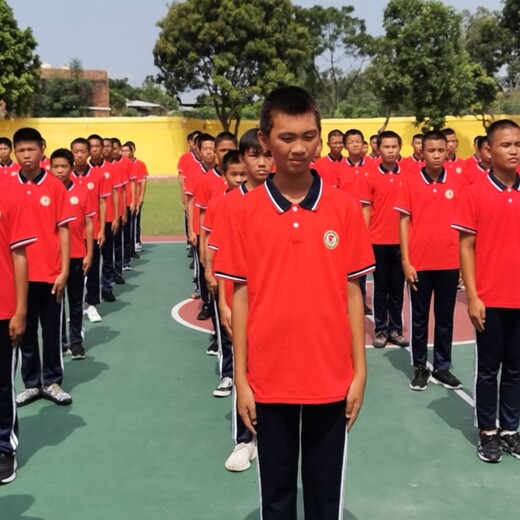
<point x="249" y="141"/>
<point x="193" y="135"/>
<point x="232" y="157"/>
<point x="373" y="136"/>
<point x="107" y="140"/>
<point x="352" y="131"/>
<point x="28" y="134"/>
<point x="448" y="131"/>
<point x="201" y="138"/>
<point x="95" y="137"/>
<point x="80" y="140"/>
<point x="130" y="145"/>
<point x="389" y="134"/>
<point x="417" y="136"/>
<point x="116" y="140"/>
<point x="500" y="125"/>
<point x="482" y="140"/>
<point x="434" y="135"/>
<point x="334" y="133"/>
<point x="7" y="142"/>
<point x="63" y="153"/>
<point x="290" y="100"/>
<point x="226" y="136"/>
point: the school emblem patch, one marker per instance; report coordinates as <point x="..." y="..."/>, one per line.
<point x="90" y="185"/>
<point x="74" y="201"/>
<point x="449" y="194"/>
<point x="45" y="201"/>
<point x="331" y="239"/>
<point x="107" y="175"/>
<point x="459" y="170"/>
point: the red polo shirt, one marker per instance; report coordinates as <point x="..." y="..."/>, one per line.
<point x="433" y="244"/>
<point x="15" y="232"/>
<point x="10" y="168"/>
<point x="455" y="165"/>
<point x="191" y="186"/>
<point x="381" y="191"/>
<point x="210" y="185"/>
<point x="46" y="204"/>
<point x="352" y="177"/>
<point x="82" y="204"/>
<point x="296" y="259"/>
<point x="412" y="164"/>
<point x="329" y="168"/>
<point x="474" y="171"/>
<point x="491" y="211"/>
<point x="111" y="182"/>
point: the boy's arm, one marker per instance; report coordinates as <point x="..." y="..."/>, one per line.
<point x="17" y="322"/>
<point x="476" y="307"/>
<point x="245" y="399"/>
<point x="357" y="324"/>
<point x="133" y="193"/>
<point x="61" y="280"/>
<point x="123" y="215"/>
<point x="410" y="274"/>
<point x="211" y="281"/>
<point x="224" y="309"/>
<point x="102" y="221"/>
<point x="115" y="202"/>
<point x="192" y="237"/>
<point x="142" y="191"/>
<point x="365" y="209"/>
<point x="89" y="234"/>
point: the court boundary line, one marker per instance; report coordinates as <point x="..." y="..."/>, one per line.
<point x="177" y="317"/>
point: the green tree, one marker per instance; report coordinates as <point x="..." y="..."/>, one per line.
<point x="422" y="61"/>
<point x="19" y="65"/>
<point x="232" y="51"/>
<point x="510" y="20"/>
<point x="339" y="49"/>
<point x="64" y="94"/>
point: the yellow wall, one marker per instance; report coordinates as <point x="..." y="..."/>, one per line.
<point x="161" y="140"/>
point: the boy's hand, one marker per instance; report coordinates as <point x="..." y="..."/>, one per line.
<point x="211" y="282"/>
<point x="225" y="319"/>
<point x="59" y="286"/>
<point x="16" y="328"/>
<point x="477" y="313"/>
<point x="246" y="407"/>
<point x="132" y="207"/>
<point x="87" y="263"/>
<point x="410" y="275"/>
<point x="115" y="225"/>
<point x="101" y="239"/>
<point x="124" y="218"/>
<point x="354" y="400"/>
<point x="193" y="238"/>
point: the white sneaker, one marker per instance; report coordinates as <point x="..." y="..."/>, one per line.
<point x="28" y="395"/>
<point x="93" y="315"/>
<point x="139" y="248"/>
<point x="224" y="388"/>
<point x="241" y="458"/>
<point x="56" y="394"/>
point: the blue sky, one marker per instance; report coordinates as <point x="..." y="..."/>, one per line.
<point x="119" y="35"/>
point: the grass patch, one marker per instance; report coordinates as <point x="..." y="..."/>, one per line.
<point x="162" y="210"/>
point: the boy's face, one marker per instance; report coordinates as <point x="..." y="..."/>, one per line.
<point x="5" y="153"/>
<point x="354" y="145"/>
<point x="258" y="164"/>
<point x="389" y="149"/>
<point x="223" y="148"/>
<point x="116" y="151"/>
<point x="364" y="150"/>
<point x="235" y="175"/>
<point x="80" y="153"/>
<point x="417" y="147"/>
<point x="292" y="141"/>
<point x="126" y="151"/>
<point x="96" y="149"/>
<point x="107" y="149"/>
<point x="207" y="153"/>
<point x="435" y="152"/>
<point x="28" y="154"/>
<point x="484" y="154"/>
<point x="373" y="145"/>
<point x="335" y="143"/>
<point x="453" y="143"/>
<point x="505" y="149"/>
<point x="61" y="169"/>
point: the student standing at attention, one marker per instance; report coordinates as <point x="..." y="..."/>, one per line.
<point x="300" y="368"/>
<point x="487" y="219"/>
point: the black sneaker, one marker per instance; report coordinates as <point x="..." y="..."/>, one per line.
<point x="205" y="312"/>
<point x="119" y="280"/>
<point x="398" y="339"/>
<point x="77" y="351"/>
<point x="7" y="467"/>
<point x="136" y="255"/>
<point x="380" y="340"/>
<point x="108" y="296"/>
<point x="489" y="448"/>
<point x="212" y="349"/>
<point x="446" y="379"/>
<point x="192" y="265"/>
<point x="190" y="253"/>
<point x="511" y="444"/>
<point x="420" y="379"/>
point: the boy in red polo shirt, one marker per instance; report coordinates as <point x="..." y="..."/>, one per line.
<point x="300" y="368"/>
<point x="415" y="162"/>
<point x="453" y="162"/>
<point x="7" y="165"/>
<point x="487" y="219"/>
<point x="48" y="214"/>
<point x="15" y="235"/>
<point x="328" y="166"/>
<point x="81" y="245"/>
<point x="475" y="170"/>
<point x="430" y="259"/>
<point x="382" y="187"/>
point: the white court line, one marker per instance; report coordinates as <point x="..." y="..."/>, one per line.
<point x="177" y="317"/>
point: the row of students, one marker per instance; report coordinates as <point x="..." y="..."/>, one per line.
<point x="65" y="210"/>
